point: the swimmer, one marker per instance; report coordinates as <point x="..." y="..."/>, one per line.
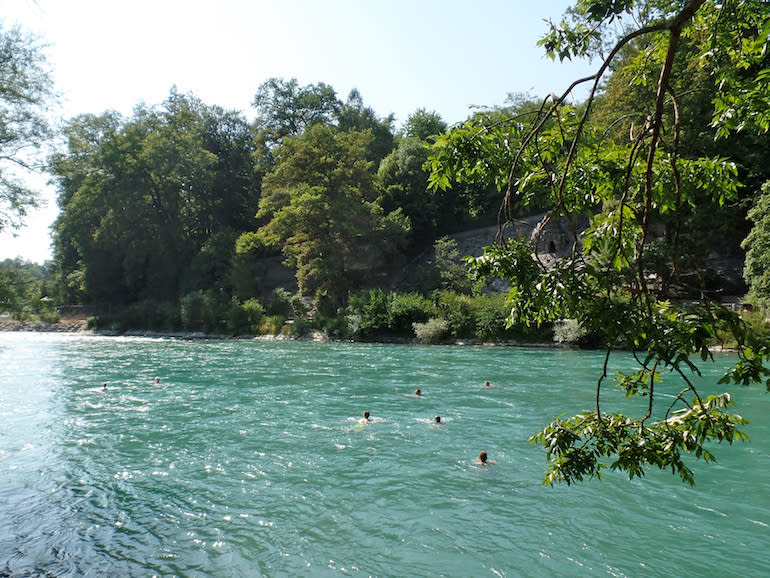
<point x="104" y="387"/>
<point x="157" y="380"/>
<point x="483" y="460"/>
<point x="437" y="419"/>
<point x="365" y="419"/>
<point x="417" y="392"/>
<point x="487" y="384"/>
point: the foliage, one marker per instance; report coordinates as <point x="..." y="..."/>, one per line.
<point x="318" y="207"/>
<point x="26" y="93"/>
<point x="24" y="290"/>
<point x="286" y="109"/>
<point x="152" y="205"/>
<point x="200" y="312"/>
<point x="245" y="318"/>
<point x="405" y="309"/>
<point x="560" y="162"/>
<point x="432" y="331"/>
<point x="757" y="246"/>
<point x="272" y="324"/>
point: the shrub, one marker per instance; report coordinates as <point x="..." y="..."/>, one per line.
<point x="199" y="312"/>
<point x="459" y="311"/>
<point x="271" y="324"/>
<point x="568" y="331"/>
<point x="407" y="309"/>
<point x="492" y="311"/>
<point x="372" y="310"/>
<point x="285" y="304"/>
<point x="432" y="331"/>
<point x="245" y="317"/>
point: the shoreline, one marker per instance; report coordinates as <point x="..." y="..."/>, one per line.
<point x="79" y="326"/>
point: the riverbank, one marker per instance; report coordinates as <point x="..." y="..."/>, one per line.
<point x="63" y="326"/>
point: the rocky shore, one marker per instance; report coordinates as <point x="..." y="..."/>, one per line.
<point x="63" y="326"/>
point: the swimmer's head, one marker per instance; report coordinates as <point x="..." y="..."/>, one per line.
<point x="366" y="415"/>
<point x="417" y="392"/>
<point x="486" y="384"/>
<point x="483" y="457"/>
<point x="437" y="419"/>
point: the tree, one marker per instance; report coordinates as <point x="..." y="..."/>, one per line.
<point x="152" y="205"/>
<point x="353" y="115"/>
<point x="318" y="207"/>
<point x="26" y="93"/>
<point x="286" y="109"/>
<point x="564" y="165"/>
<point x="757" y="245"/>
<point x="424" y="125"/>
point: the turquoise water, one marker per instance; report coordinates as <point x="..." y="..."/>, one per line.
<point x="248" y="460"/>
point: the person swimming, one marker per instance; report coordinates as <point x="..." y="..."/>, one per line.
<point x="104" y="387"/>
<point x="417" y="392"/>
<point x="366" y="418"/>
<point x="437" y="419"/>
<point x="483" y="459"/>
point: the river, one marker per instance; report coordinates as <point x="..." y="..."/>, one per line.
<point x="247" y="458"/>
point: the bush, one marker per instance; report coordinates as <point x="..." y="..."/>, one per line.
<point x="285" y="304"/>
<point x="199" y="312"/>
<point x="459" y="311"/>
<point x="492" y="312"/>
<point x="407" y="309"/>
<point x="245" y="317"/>
<point x="568" y="331"/>
<point x="271" y="324"/>
<point x="432" y="331"/>
<point x="372" y="311"/>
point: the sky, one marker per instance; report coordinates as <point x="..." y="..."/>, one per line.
<point x="446" y="56"/>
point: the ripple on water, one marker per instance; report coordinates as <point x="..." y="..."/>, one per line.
<point x="248" y="460"/>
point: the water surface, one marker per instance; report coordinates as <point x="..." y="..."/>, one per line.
<point x="247" y="459"/>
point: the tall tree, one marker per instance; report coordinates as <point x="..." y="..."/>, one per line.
<point x="353" y="115"/>
<point x="26" y="94"/>
<point x="284" y="108"/>
<point x="565" y="165"/>
<point x="152" y="205"/>
<point x="318" y="206"/>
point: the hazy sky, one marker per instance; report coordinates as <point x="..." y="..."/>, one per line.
<point x="441" y="55"/>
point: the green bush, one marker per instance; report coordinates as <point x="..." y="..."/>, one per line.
<point x="459" y="311"/>
<point x="492" y="312"/>
<point x="407" y="309"/>
<point x="272" y="324"/>
<point x="432" y="331"/>
<point x="199" y="312"/>
<point x="285" y="304"/>
<point x="245" y="317"/>
<point x="372" y="310"/>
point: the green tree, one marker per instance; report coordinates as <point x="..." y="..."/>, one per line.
<point x="424" y="125"/>
<point x="284" y="108"/>
<point x="152" y="205"/>
<point x="757" y="246"/>
<point x="26" y="94"/>
<point x="319" y="209"/>
<point x="353" y="115"/>
<point x="564" y="164"/>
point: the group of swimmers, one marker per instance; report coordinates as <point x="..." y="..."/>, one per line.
<point x="482" y="460"/>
